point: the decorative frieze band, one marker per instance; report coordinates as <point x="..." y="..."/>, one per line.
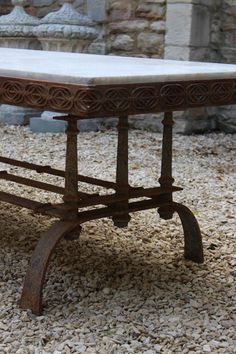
<point x="113" y="100"/>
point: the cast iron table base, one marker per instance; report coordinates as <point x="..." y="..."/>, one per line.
<point x="117" y="205"/>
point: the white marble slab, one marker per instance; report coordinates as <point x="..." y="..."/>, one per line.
<point x="100" y="69"/>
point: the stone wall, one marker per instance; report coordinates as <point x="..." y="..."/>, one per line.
<point x="136" y="28"/>
<point x="228" y="38"/>
<point x="226" y="119"/>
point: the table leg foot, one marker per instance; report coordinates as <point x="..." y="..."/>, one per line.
<point x="73" y="235"/>
<point x="121" y="221"/>
<point x="166" y="213"/>
<point x="31" y="297"/>
<point x="193" y="249"/>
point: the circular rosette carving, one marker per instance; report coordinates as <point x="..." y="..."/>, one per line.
<point x="12" y="92"/>
<point x="221" y="92"/>
<point x="36" y="95"/>
<point x="60" y="98"/>
<point x="88" y="101"/>
<point x="117" y="99"/>
<point x="145" y="98"/>
<point x="198" y="94"/>
<point x="172" y="95"/>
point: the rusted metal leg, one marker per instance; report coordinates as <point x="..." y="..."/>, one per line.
<point x="71" y="170"/>
<point x="193" y="249"/>
<point x="71" y="196"/>
<point x="31" y="297"/>
<point x="166" y="180"/>
<point x="122" y="173"/>
<point x="32" y="291"/>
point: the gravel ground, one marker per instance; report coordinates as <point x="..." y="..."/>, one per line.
<point x="130" y="290"/>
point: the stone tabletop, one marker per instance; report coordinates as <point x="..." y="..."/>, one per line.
<point x="104" y="70"/>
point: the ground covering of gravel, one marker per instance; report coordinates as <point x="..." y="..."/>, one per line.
<point x="119" y="291"/>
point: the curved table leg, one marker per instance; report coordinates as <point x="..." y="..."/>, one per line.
<point x="31" y="297"/>
<point x="193" y="249"/>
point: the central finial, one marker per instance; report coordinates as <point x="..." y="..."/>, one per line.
<point x="18" y="22"/>
<point x="67" y="15"/>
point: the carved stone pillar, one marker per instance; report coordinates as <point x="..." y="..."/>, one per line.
<point x="188" y="38"/>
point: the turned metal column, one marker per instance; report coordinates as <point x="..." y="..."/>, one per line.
<point x="71" y="195"/>
<point x="166" y="180"/>
<point x="71" y="168"/>
<point x="122" y="173"/>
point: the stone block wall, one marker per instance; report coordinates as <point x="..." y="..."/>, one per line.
<point x="136" y="27"/>
<point x="226" y="118"/>
<point x="193" y="30"/>
<point x="228" y="37"/>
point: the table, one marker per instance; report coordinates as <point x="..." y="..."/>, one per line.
<point x="85" y="86"/>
